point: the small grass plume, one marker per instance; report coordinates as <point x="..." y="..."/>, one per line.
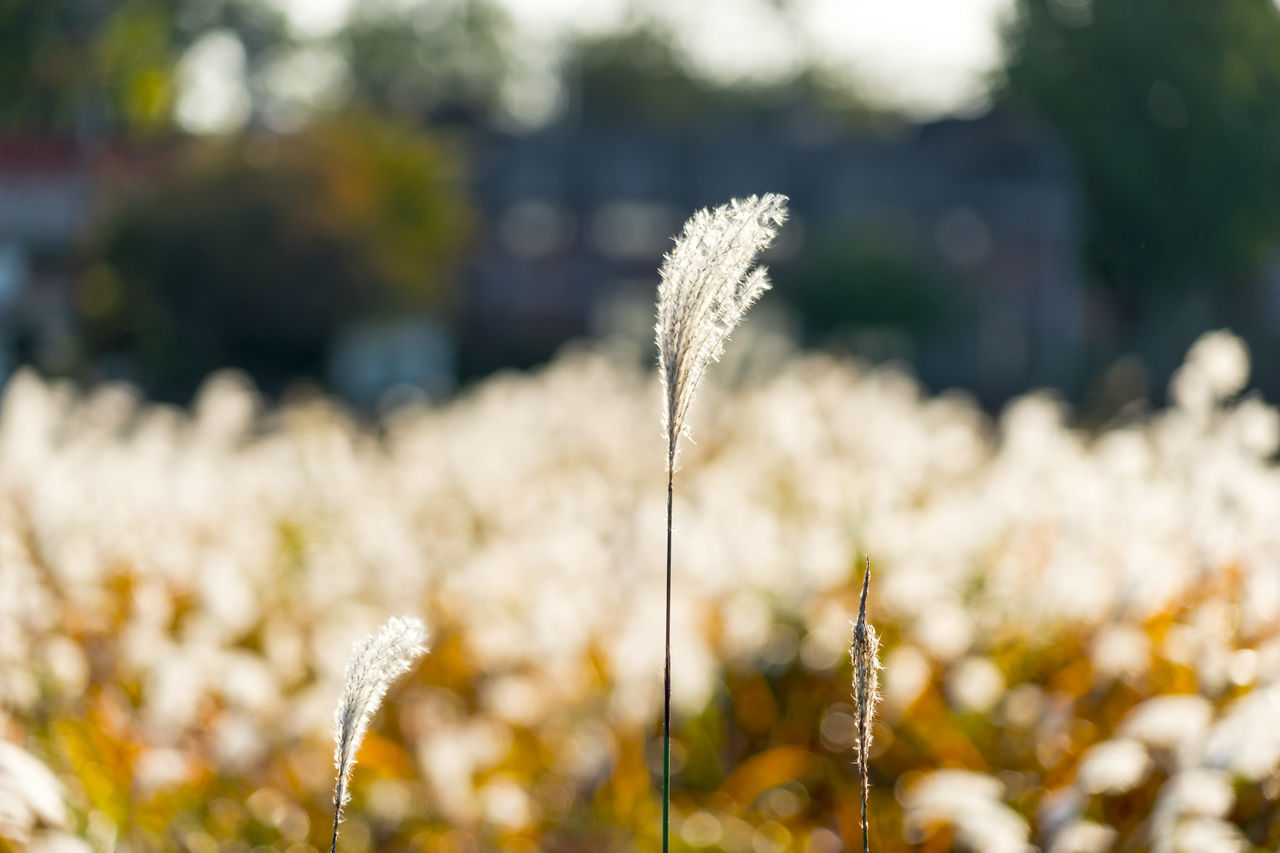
<point x="708" y="283"/>
<point x="865" y="653"/>
<point x="376" y="661"/>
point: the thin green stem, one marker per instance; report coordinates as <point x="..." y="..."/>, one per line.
<point x="337" y="791"/>
<point x="666" y="679"/>
<point x="866" y="839"/>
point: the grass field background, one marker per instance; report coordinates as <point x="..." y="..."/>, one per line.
<point x="1080" y="629"/>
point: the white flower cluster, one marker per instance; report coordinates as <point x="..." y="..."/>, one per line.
<point x="188" y="576"/>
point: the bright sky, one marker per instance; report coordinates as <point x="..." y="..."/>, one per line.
<point x="927" y="57"/>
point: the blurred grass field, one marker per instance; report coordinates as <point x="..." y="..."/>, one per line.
<point x="1079" y="629"/>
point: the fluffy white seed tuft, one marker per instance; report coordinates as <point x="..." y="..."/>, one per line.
<point x="708" y="283"/>
<point x="376" y="661"/>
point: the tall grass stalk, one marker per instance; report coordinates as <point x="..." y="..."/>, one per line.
<point x="708" y="282"/>
<point x="865" y="653"/>
<point x="376" y="661"/>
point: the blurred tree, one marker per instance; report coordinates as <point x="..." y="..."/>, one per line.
<point x="92" y="65"/>
<point x="1173" y="111"/>
<point x="254" y="256"/>
<point x="65" y="62"/>
<point x="637" y="75"/>
<point x="425" y="60"/>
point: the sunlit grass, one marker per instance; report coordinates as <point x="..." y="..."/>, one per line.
<point x="178" y="594"/>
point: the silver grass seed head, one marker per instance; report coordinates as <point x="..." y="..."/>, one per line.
<point x="376" y="661"/>
<point x="865" y="655"/>
<point x="708" y="282"/>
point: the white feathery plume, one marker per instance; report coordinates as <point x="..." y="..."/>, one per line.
<point x="865" y="653"/>
<point x="708" y="283"/>
<point x="376" y="661"/>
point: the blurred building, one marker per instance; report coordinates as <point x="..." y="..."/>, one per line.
<point x="580" y="214"/>
<point x="576" y="219"/>
<point x="45" y="190"/>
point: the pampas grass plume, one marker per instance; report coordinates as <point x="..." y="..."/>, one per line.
<point x="707" y="285"/>
<point x="865" y="653"/>
<point x="376" y="661"/>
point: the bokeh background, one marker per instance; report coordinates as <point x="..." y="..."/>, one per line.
<point x="399" y="194"/>
<point x="315" y="312"/>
